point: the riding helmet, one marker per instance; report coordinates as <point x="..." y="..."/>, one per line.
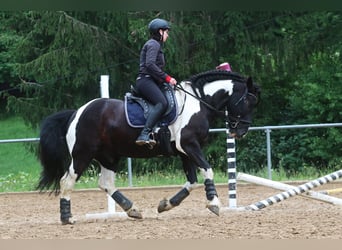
<point x="157" y="24"/>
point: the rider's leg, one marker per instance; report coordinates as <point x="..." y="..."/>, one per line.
<point x="152" y="93"/>
<point x="152" y="119"/>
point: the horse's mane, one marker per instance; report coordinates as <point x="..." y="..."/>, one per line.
<point x="199" y="80"/>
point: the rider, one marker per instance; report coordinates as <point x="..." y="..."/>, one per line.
<point x="151" y="76"/>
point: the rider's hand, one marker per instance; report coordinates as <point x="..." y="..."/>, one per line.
<point x="173" y="81"/>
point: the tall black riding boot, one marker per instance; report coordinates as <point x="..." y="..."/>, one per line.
<point x="144" y="137"/>
<point x="152" y="119"/>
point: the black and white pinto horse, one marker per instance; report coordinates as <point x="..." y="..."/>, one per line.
<point x="70" y="140"/>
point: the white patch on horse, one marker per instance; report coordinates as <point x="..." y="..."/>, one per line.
<point x="214" y="202"/>
<point x="211" y="88"/>
<point x="190" y="186"/>
<point x="192" y="107"/>
<point x="67" y="182"/>
<point x="71" y="134"/>
<point x="207" y="173"/>
<point x="106" y="180"/>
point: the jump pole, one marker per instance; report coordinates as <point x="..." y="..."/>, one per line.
<point x="282" y="186"/>
<point x="295" y="191"/>
<point x="331" y="191"/>
<point x="104" y="87"/>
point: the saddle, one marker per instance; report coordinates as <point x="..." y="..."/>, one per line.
<point x="137" y="109"/>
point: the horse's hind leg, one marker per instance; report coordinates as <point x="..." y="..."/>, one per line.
<point x="67" y="184"/>
<point x="106" y="183"/>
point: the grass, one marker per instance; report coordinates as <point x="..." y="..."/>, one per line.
<point x="20" y="169"/>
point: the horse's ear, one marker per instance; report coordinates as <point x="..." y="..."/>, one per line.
<point x="250" y="85"/>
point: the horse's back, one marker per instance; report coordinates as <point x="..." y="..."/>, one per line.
<point x="103" y="122"/>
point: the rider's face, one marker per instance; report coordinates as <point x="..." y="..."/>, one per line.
<point x="164" y="34"/>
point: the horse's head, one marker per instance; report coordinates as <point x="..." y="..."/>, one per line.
<point x="244" y="99"/>
<point x="220" y="90"/>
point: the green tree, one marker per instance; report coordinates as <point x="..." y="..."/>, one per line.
<point x="61" y="60"/>
<point x="12" y="25"/>
<point x="318" y="101"/>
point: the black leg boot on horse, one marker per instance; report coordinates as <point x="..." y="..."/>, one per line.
<point x="145" y="136"/>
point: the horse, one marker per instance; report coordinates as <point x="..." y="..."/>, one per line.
<point x="99" y="131"/>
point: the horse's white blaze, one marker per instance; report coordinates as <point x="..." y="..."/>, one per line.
<point x="71" y="134"/>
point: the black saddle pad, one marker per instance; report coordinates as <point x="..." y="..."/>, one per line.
<point x="137" y="109"/>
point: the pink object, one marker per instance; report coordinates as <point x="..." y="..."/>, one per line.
<point x="224" y="66"/>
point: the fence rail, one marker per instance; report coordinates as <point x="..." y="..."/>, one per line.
<point x="267" y="130"/>
<point x="19" y="140"/>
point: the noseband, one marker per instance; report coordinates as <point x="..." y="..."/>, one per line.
<point x="235" y="121"/>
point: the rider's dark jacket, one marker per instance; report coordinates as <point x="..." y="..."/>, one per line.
<point x="152" y="61"/>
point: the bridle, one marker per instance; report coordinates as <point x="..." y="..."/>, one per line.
<point x="234" y="121"/>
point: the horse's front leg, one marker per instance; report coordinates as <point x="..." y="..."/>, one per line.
<point x="190" y="172"/>
<point x="213" y="203"/>
<point x="167" y="204"/>
<point x="106" y="183"/>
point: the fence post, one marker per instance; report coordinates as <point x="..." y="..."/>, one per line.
<point x="269" y="161"/>
<point x="105" y="94"/>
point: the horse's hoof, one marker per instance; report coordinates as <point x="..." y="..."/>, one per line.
<point x="134" y="213"/>
<point x="164" y="205"/>
<point x="68" y="221"/>
<point x="215" y="209"/>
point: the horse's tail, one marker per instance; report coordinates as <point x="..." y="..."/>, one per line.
<point x="53" y="150"/>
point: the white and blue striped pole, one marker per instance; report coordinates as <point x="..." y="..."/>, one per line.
<point x="231" y="167"/>
<point x="295" y="191"/>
